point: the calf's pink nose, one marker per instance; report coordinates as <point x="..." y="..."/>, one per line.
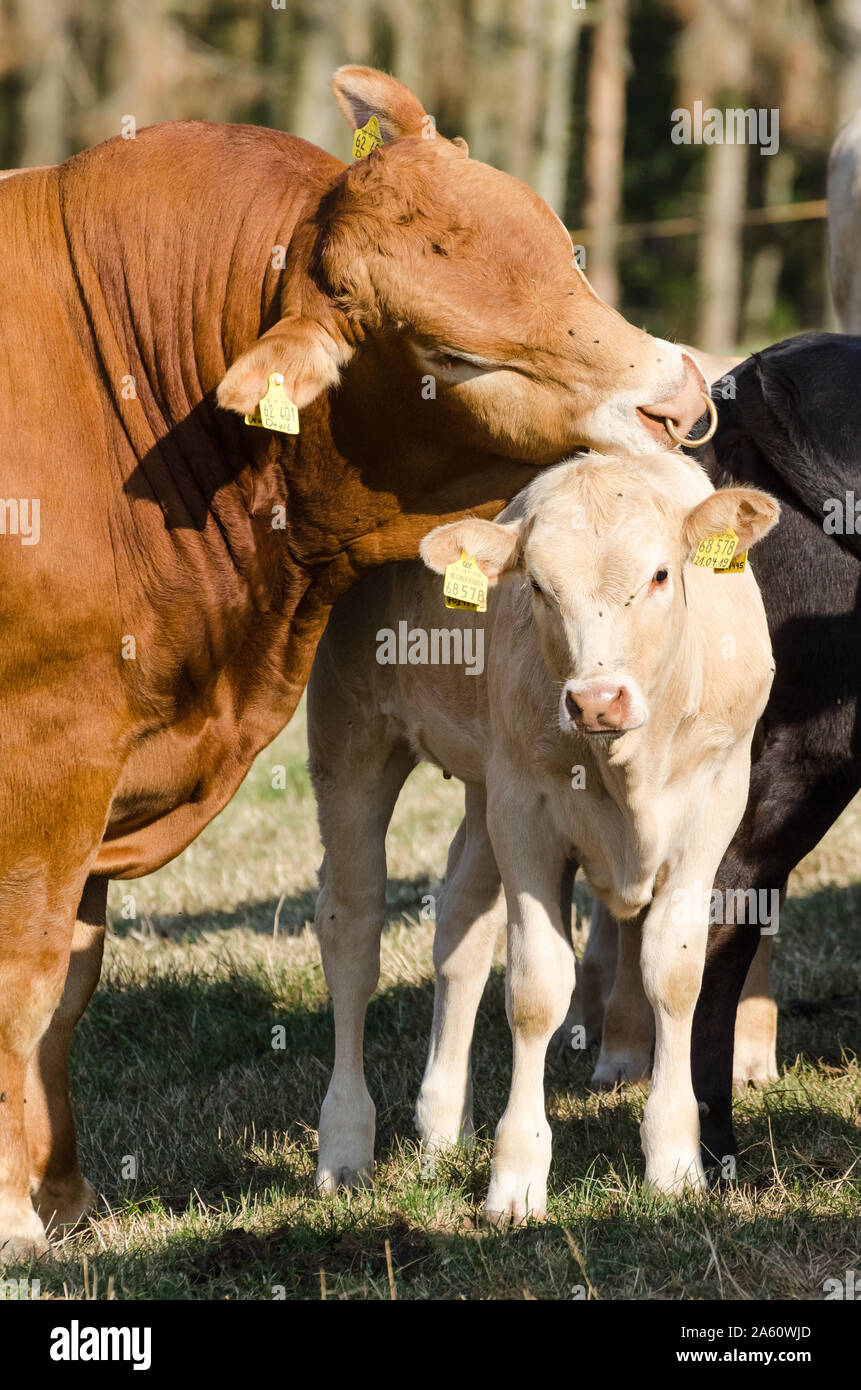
<point x="601" y="705"/>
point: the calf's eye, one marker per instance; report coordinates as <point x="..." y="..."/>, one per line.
<point x="661" y="576"/>
<point x="536" y="587"/>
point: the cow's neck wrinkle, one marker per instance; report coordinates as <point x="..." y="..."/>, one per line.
<point x="173" y="240"/>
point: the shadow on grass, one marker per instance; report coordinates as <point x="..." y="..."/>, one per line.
<point x="294" y="913"/>
<point x="180" y="1069"/>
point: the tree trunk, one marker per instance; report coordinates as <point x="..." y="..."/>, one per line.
<point x="605" y="146"/>
<point x="720" y="249"/>
<point x="563" y="25"/>
<point x="44" y="108"/>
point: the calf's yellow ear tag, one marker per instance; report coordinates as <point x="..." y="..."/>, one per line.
<point x="736" y="565"/>
<point x="276" y="411"/>
<point x="367" y="139"/>
<point x="716" y="552"/>
<point x="465" y="585"/>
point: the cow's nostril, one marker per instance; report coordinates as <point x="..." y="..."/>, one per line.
<point x="572" y="706"/>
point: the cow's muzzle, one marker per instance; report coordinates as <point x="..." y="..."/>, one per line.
<point x="674" y="417"/>
<point x="602" y="706"/>
<point x="703" y="438"/>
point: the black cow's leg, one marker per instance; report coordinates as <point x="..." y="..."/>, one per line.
<point x="731" y="948"/>
<point x="796" y="794"/>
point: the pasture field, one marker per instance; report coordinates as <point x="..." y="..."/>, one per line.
<point x="174" y="1066"/>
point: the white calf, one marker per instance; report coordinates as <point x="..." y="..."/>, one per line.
<point x="611" y="724"/>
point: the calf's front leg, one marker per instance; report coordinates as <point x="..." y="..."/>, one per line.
<point x="673" y="951"/>
<point x="539" y="981"/>
<point x="628" y="1031"/>
<point x="754" y="1060"/>
<point x="471" y="913"/>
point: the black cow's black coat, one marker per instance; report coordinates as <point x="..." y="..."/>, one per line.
<point x="794" y="429"/>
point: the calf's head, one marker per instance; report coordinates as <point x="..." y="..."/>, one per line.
<point x="602" y="546"/>
<point x="448" y="289"/>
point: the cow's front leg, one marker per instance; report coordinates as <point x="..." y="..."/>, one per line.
<point x="626" y="1039"/>
<point x="755" y="1045"/>
<point x="34" y="961"/>
<point x="472" y="911"/>
<point x="539" y="980"/>
<point x="673" y="951"/>
<point x="594" y="986"/>
<point x="61" y="1194"/>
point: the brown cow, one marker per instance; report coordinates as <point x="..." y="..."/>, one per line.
<point x="161" y="631"/>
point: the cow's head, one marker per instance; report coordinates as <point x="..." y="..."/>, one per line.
<point x="603" y="546"/>
<point x="457" y="285"/>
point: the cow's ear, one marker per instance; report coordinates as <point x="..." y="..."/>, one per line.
<point x="749" y="512"/>
<point x="309" y="359"/>
<point x="496" y="546"/>
<point x="365" y="92"/>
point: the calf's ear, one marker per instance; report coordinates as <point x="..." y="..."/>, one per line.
<point x="749" y="512"/>
<point x="496" y="546"/>
<point x="308" y="358"/>
<point x="365" y="92"/>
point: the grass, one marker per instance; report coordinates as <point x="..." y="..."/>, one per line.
<point x="174" y="1067"/>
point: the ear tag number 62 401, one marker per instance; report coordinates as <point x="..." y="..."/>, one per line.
<point x="276" y="411"/>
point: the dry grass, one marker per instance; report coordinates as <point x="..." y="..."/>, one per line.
<point x="174" y="1065"/>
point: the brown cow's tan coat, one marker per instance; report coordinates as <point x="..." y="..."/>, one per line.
<point x="161" y="631"/>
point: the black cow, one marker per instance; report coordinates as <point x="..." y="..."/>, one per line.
<point x="794" y="429"/>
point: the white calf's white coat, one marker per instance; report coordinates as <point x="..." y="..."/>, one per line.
<point x="592" y="580"/>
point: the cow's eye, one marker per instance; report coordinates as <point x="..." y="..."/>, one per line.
<point x="661" y="576"/>
<point x="536" y="587"/>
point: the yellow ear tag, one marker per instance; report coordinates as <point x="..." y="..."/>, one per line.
<point x="367" y="139"/>
<point x="736" y="565"/>
<point x="715" y="552"/>
<point x="276" y="411"/>
<point x="465" y="586"/>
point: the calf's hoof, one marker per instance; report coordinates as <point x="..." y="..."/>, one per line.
<point x="22" y="1236"/>
<point x="329" y="1178"/>
<point x="62" y="1206"/>
<point x="754" y="1071"/>
<point x="515" y="1213"/>
<point x="440" y="1132"/>
<point x="625" y="1070"/>
<point x="345" y="1142"/>
<point x="677" y="1176"/>
<point x="754" y="1059"/>
<point x="513" y="1198"/>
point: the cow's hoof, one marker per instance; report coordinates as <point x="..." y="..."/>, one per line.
<point x="441" y="1127"/>
<point x="345" y="1142"/>
<point x="62" y="1206"/>
<point x="515" y="1213"/>
<point x="618" y="1071"/>
<point x="677" y="1178"/>
<point x="756" y="1073"/>
<point x="436" y="1140"/>
<point x="513" y="1200"/>
<point x="330" y="1179"/>
<point x="22" y="1237"/>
